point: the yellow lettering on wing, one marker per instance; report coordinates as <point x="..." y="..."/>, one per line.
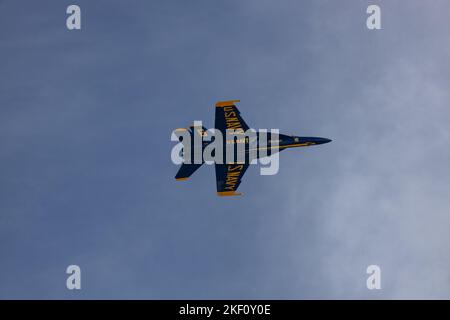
<point x="232" y="178"/>
<point x="234" y="168"/>
<point x="233" y="174"/>
<point x="230" y="114"/>
<point x="233" y="125"/>
<point x="231" y="119"/>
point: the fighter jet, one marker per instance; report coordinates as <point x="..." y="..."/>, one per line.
<point x="229" y="174"/>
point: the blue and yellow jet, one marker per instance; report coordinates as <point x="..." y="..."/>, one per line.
<point x="229" y="175"/>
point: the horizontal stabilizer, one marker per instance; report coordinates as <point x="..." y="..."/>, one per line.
<point x="186" y="170"/>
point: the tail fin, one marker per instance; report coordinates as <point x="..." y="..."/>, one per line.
<point x="186" y="171"/>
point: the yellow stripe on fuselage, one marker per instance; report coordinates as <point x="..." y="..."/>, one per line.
<point x="283" y="147"/>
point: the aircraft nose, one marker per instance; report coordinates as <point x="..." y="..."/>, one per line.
<point x="317" y="140"/>
<point x="323" y="140"/>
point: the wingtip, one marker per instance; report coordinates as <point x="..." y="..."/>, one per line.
<point x="181" y="179"/>
<point x="228" y="193"/>
<point x="226" y="103"/>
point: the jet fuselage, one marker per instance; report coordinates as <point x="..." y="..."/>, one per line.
<point x="264" y="145"/>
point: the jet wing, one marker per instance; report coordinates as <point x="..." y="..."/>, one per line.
<point x="186" y="170"/>
<point x="228" y="117"/>
<point x="228" y="178"/>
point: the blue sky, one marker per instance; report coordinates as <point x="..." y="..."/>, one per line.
<point x="86" y="175"/>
